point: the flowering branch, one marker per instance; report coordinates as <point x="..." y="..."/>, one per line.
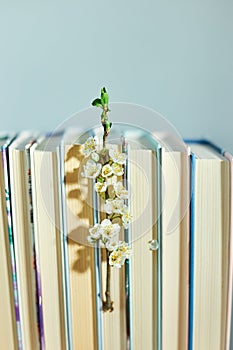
<point x="105" y="166"/>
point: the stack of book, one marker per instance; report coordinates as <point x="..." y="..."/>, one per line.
<point x="175" y="292"/>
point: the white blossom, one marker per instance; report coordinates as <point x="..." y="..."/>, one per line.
<point x="125" y="249"/>
<point x="107" y="170"/>
<point x="117" y="169"/>
<point x="120" y="190"/>
<point x="116" y="259"/>
<point x="107" y="232"/>
<point x="95" y="233"/>
<point x="108" y="229"/>
<point x="121" y="252"/>
<point x="126" y="217"/>
<point x="100" y="187"/>
<point x="112" y="245"/>
<point x="114" y="206"/>
<point x="117" y="156"/>
<point x="89" y="146"/>
<point x="91" y="169"/>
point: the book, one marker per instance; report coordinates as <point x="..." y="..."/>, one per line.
<point x="80" y="256"/>
<point x="144" y="282"/>
<point x="8" y="332"/>
<point x="45" y="193"/>
<point x="23" y="239"/>
<point x="209" y="274"/>
<point x="175" y="196"/>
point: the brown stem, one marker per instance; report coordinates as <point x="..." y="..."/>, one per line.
<point x="104" y="140"/>
<point x="114" y="215"/>
<point x="107" y="303"/>
<point x="104" y="119"/>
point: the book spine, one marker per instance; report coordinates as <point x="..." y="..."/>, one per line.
<point x="11" y="243"/>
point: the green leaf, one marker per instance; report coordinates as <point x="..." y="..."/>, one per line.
<point x="102" y="195"/>
<point x="104" y="96"/>
<point x="106" y="99"/>
<point x="100" y="179"/>
<point x="103" y="91"/>
<point x="109" y="125"/>
<point x="97" y="102"/>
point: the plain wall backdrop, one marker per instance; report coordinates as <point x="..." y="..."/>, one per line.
<point x="173" y="56"/>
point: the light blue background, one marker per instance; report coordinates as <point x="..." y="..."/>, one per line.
<point x="173" y="56"/>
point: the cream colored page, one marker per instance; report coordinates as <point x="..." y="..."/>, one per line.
<point x="114" y="326"/>
<point x="211" y="254"/>
<point x="143" y="206"/>
<point x="174" y="252"/>
<point x="81" y="256"/>
<point x="47" y="233"/>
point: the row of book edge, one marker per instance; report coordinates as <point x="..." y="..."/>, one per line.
<point x="176" y="290"/>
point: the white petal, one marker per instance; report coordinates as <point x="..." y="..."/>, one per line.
<point x="106" y="222"/>
<point x="117" y="169"/>
<point x="100" y="187"/>
<point x="117" y="157"/>
<point x="107" y="170"/>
